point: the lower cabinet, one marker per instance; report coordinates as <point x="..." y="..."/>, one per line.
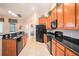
<point x="70" y="53"/>
<point x="9" y="47"/>
<point x="45" y="38"/>
<point x="53" y="49"/>
<point x="24" y="41"/>
<point x="60" y="50"/>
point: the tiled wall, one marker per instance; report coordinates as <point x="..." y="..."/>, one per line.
<point x="71" y="33"/>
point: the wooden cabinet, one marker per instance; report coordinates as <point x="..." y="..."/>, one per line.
<point x="45" y="38"/>
<point x="48" y="22"/>
<point x="54" y="14"/>
<point x="69" y="15"/>
<point x="77" y="15"/>
<point x="53" y="48"/>
<point x="24" y="40"/>
<point x="70" y="53"/>
<point x="60" y="16"/>
<point x="9" y="47"/>
<point x="61" y="46"/>
<point x="60" y="52"/>
<point x="42" y="21"/>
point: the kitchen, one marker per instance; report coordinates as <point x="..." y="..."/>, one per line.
<point x="57" y="29"/>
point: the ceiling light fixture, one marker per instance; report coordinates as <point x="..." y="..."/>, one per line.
<point x="10" y="12"/>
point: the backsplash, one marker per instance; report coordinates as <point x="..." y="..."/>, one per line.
<point x="70" y="33"/>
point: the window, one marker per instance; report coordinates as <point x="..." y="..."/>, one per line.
<point x="12" y="27"/>
<point x="1" y="27"/>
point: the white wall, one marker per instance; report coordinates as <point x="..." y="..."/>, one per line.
<point x="31" y="20"/>
<point x="0" y="47"/>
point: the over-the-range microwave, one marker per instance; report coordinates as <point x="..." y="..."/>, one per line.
<point x="54" y="24"/>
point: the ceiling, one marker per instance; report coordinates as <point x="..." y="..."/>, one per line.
<point x="25" y="9"/>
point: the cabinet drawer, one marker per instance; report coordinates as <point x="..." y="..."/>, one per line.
<point x="70" y="53"/>
<point x="60" y="46"/>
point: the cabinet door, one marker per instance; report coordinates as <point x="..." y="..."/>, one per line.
<point x="9" y="47"/>
<point x="54" y="14"/>
<point x="69" y="15"/>
<point x="77" y="15"/>
<point x="42" y="21"/>
<point x="70" y="53"/>
<point x="61" y="46"/>
<point x="53" y="48"/>
<point x="45" y="38"/>
<point x="60" y="16"/>
<point x="60" y="52"/>
<point x="48" y="22"/>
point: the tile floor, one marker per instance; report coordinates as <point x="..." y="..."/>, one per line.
<point x="34" y="48"/>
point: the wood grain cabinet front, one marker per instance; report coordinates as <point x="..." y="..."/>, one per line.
<point x="60" y="52"/>
<point x="60" y="16"/>
<point x="69" y="15"/>
<point x="61" y="46"/>
<point x="24" y="40"/>
<point x="54" y="14"/>
<point x="53" y="48"/>
<point x="77" y="15"/>
<point x="9" y="47"/>
<point x="70" y="53"/>
<point x="45" y="38"/>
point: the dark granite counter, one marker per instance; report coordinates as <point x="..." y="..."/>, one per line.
<point x="73" y="47"/>
<point x="67" y="42"/>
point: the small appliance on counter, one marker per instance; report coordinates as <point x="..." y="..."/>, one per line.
<point x="59" y="35"/>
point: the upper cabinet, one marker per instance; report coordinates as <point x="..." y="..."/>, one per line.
<point x="77" y="15"/>
<point x="46" y="21"/>
<point x="41" y="20"/>
<point x="69" y="15"/>
<point x="60" y="16"/>
<point x="66" y="14"/>
<point x="53" y="14"/>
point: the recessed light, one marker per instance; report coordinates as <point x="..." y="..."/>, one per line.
<point x="10" y="12"/>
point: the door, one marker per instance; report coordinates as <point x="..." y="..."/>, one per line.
<point x="60" y="16"/>
<point x="69" y="15"/>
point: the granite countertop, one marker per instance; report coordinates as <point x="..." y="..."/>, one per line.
<point x="68" y="42"/>
<point x="69" y="45"/>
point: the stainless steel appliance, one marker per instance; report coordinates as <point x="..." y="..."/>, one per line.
<point x="54" y="24"/>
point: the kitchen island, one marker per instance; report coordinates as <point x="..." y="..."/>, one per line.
<point x="13" y="43"/>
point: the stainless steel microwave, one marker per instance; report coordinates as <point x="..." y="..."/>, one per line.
<point x="54" y="24"/>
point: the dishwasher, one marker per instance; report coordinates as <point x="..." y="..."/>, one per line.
<point x="49" y="42"/>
